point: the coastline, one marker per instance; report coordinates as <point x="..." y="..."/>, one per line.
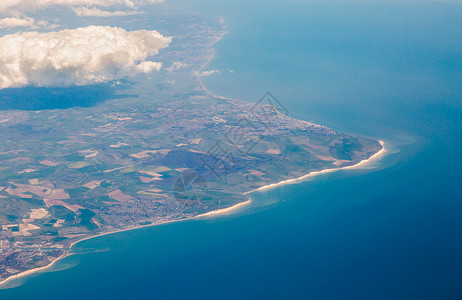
<point x="213" y="213"/>
<point x="211" y="57"/>
<point x="217" y="212"/>
<point x="223" y="211"/>
<point x="364" y="162"/>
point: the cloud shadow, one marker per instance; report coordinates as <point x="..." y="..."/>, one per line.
<point x="41" y="98"/>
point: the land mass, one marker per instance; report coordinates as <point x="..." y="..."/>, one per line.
<point x="167" y="150"/>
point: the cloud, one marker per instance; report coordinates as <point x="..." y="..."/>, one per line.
<point x="78" y="56"/>
<point x="24" y="21"/>
<point x="17" y="22"/>
<point x="207" y="73"/>
<point x="33" y="5"/>
<point x="176" y="66"/>
<point x="96" y="12"/>
<point x="82" y="8"/>
<point x="148" y="66"/>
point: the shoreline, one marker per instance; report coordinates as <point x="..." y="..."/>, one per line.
<point x="289" y="181"/>
<point x="316" y="173"/>
<point x="223" y="211"/>
<point x="217" y="212"/>
<point x="199" y="77"/>
<point x="213" y="213"/>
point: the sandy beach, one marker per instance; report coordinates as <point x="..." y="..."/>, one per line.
<point x="359" y="165"/>
<point x="225" y="211"/>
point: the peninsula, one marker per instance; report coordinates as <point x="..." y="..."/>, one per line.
<point x="153" y="154"/>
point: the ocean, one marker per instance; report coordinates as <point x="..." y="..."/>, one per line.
<point x="381" y="69"/>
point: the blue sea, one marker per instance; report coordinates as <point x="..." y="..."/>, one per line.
<point x="390" y="70"/>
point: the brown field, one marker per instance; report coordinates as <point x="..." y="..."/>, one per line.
<point x="92" y="184"/>
<point x="143" y="154"/>
<point x="195" y="141"/>
<point x="256" y="173"/>
<point x="49" y="163"/>
<point x="73" y="208"/>
<point x="119" y="196"/>
<point x="273" y="151"/>
<point x="325" y="158"/>
<point x="341" y="162"/>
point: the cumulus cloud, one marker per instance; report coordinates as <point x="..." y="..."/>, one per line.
<point x="78" y="56"/>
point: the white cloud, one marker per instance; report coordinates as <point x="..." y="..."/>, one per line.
<point x="17" y="22"/>
<point x="148" y="66"/>
<point x="207" y="73"/>
<point x="96" y="12"/>
<point x="26" y="22"/>
<point x="93" y="8"/>
<point x="32" y="5"/>
<point x="176" y="66"/>
<point x="79" y="56"/>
